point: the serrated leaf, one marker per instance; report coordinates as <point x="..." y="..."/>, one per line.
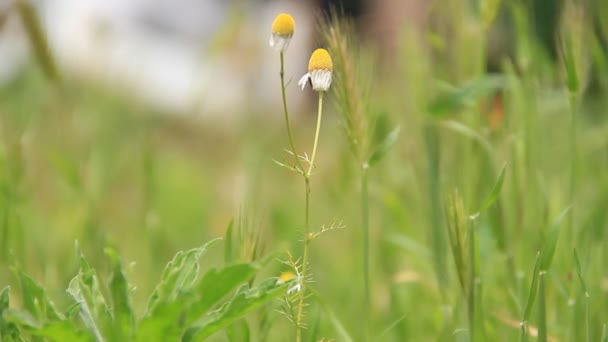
<point x="179" y="275"/>
<point x="216" y="284"/>
<point x="245" y="301"/>
<point x="94" y="311"/>
<point x="8" y="330"/>
<point x="550" y="243"/>
<point x="123" y="317"/>
<point x="60" y="330"/>
<point x="35" y="299"/>
<point x="495" y="190"/>
<point x="384" y="146"/>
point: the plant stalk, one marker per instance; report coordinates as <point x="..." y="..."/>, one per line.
<point x="307" y="175"/>
<point x="365" y="249"/>
<point x="286" y="112"/>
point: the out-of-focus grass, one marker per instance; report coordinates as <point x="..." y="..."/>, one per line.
<point x="84" y="163"/>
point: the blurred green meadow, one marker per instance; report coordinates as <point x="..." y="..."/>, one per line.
<point x="488" y="210"/>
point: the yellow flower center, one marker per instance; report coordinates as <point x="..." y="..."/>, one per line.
<point x="283" y="25"/>
<point x="286" y="276"/>
<point x="320" y="60"/>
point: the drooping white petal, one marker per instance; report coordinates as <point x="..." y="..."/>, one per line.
<point x="320" y="79"/>
<point x="304" y="80"/>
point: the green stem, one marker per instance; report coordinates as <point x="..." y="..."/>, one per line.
<point x="365" y="239"/>
<point x="286" y="112"/>
<point x="300" y="313"/>
<point x="314" y="146"/>
<point x="573" y="156"/>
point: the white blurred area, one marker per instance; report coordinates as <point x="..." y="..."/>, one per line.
<point x="192" y="57"/>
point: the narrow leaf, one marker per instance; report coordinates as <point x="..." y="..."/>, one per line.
<point x="533" y="290"/>
<point x="228" y="243"/>
<point x="495" y="190"/>
<point x="459" y="97"/>
<point x="384" y="146"/>
<point x="550" y="243"/>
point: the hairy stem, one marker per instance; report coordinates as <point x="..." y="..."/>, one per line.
<point x="300" y="314"/>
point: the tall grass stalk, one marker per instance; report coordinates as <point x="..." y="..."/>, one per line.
<point x="356" y="121"/>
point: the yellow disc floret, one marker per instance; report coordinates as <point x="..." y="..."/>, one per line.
<point x="283" y="25"/>
<point x="320" y="60"/>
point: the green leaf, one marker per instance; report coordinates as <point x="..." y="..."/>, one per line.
<point x="457" y="98"/>
<point x="572" y="81"/>
<point x="340" y="329"/>
<point x="384" y="146"/>
<point x="239" y="331"/>
<point x="228" y="243"/>
<point x="577" y="263"/>
<point x="60" y="330"/>
<point x="550" y="243"/>
<point x="123" y="317"/>
<point x="35" y="299"/>
<point x="8" y="330"/>
<point x="495" y="190"/>
<point x="94" y="311"/>
<point x="533" y="290"/>
<point x="542" y="308"/>
<point x="178" y="276"/>
<point x="246" y="300"/>
<point x="216" y="284"/>
<point x="468" y="132"/>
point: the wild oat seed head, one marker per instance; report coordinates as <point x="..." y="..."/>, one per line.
<point x="283" y="25"/>
<point x="320" y="60"/>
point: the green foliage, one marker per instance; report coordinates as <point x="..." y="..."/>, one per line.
<point x="180" y="305"/>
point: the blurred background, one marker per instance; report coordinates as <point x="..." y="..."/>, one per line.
<point x="149" y="125"/>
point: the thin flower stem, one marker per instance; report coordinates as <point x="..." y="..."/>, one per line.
<point x="286" y="112"/>
<point x="300" y="314"/>
<point x="314" y="146"/>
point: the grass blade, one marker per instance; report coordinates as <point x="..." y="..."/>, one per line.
<point x="495" y="190"/>
<point x="542" y="308"/>
<point x="384" y="146"/>
<point x="577" y="263"/>
<point x="531" y="298"/>
<point x="550" y="243"/>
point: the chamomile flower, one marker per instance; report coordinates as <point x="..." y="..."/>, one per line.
<point x="283" y="27"/>
<point x="319" y="73"/>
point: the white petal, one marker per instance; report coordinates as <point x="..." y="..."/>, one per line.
<point x="278" y="42"/>
<point x="304" y="80"/>
<point x="320" y="79"/>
